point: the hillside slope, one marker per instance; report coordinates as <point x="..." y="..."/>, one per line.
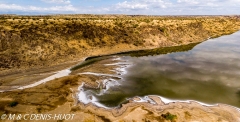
<point x="40" y="41"/>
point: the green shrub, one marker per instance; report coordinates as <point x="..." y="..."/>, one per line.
<point x="162" y="29"/>
<point x="169" y="116"/>
<point x="135" y="26"/>
<point x="13" y="104"/>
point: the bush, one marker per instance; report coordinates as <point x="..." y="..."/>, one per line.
<point x="135" y="26"/>
<point x="13" y="104"/>
<point x="169" y="116"/>
<point x="162" y="29"/>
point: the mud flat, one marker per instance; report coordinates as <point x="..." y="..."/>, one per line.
<point x="60" y="96"/>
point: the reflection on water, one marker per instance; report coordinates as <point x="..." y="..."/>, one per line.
<point x="209" y="73"/>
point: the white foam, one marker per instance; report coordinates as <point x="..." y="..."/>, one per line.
<point x="108" y="83"/>
<point x="82" y="97"/>
<point x="167" y="101"/>
<point x="145" y="99"/>
<point x="87" y="99"/>
<point x="121" y="70"/>
<point x="59" y="74"/>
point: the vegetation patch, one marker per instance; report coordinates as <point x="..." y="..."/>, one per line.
<point x="161" y="50"/>
<point x="169" y="116"/>
<point x="13" y="104"/>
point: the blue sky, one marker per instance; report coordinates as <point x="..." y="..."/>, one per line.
<point x="145" y="7"/>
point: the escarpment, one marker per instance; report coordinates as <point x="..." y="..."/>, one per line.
<point x="41" y="41"/>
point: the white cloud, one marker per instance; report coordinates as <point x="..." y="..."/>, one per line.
<point x="151" y="7"/>
<point x="57" y="1"/>
<point x="209" y="3"/>
<point x="14" y="7"/>
<point x="142" y="4"/>
<point x="208" y="6"/>
<point x="131" y="5"/>
<point x="179" y="7"/>
<point x="188" y="1"/>
<point x="10" y="7"/>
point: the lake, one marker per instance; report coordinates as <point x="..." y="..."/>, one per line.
<point x="208" y="72"/>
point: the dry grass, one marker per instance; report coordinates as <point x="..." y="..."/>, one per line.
<point x="27" y="41"/>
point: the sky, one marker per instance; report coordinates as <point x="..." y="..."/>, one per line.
<point x="129" y="7"/>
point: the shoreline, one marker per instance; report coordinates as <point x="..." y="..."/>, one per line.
<point x="79" y="62"/>
<point x="72" y="105"/>
<point x="65" y="100"/>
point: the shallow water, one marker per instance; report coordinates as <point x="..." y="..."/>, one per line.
<point x="208" y="73"/>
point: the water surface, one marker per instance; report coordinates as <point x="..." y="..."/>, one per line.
<point x="209" y="73"/>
